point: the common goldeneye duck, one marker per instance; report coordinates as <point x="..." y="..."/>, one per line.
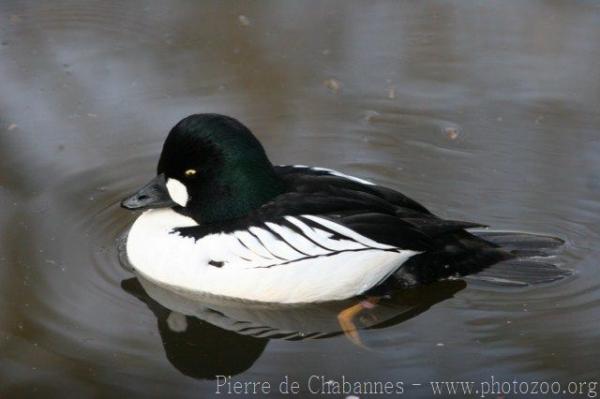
<point x="221" y="220"/>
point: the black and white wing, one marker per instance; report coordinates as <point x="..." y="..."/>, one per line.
<point x="325" y="216"/>
<point x="288" y="257"/>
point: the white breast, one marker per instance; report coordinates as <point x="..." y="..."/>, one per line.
<point x="268" y="263"/>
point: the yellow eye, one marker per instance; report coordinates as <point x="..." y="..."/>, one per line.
<point x="190" y="172"/>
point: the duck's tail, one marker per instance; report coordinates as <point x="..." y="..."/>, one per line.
<point x="533" y="262"/>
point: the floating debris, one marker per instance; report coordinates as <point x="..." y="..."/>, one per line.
<point x="244" y="20"/>
<point x="391" y="92"/>
<point x="333" y="84"/>
<point x="370" y="115"/>
<point x="12" y="126"/>
<point x="15" y="19"/>
<point x="451" y="132"/>
<point x="92" y="115"/>
<point x="439" y="344"/>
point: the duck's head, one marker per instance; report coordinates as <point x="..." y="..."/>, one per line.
<point x="212" y="169"/>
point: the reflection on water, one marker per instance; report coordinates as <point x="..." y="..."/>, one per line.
<point x="485" y="112"/>
<point x="198" y="348"/>
<point x="204" y="339"/>
<point x="298" y="322"/>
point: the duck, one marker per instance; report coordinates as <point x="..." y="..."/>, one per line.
<point x="219" y="219"/>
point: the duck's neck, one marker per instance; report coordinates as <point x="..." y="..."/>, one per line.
<point x="236" y="194"/>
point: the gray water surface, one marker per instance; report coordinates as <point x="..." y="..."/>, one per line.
<point x="483" y="111"/>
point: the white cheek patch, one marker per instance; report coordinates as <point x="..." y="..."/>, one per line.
<point x="177" y="191"/>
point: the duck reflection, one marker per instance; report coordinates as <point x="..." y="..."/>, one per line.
<point x="208" y="336"/>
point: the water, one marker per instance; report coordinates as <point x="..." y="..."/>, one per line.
<point x="487" y="112"/>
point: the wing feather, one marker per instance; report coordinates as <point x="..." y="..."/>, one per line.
<point x="323" y="213"/>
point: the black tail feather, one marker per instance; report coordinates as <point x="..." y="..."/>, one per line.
<point x="531" y="265"/>
<point x="519" y="241"/>
<point x="496" y="257"/>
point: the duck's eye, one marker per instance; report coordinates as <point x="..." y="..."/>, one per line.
<point x="190" y="173"/>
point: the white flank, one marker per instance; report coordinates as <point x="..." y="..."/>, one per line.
<point x="268" y="264"/>
<point x="277" y="247"/>
<point x="177" y="191"/>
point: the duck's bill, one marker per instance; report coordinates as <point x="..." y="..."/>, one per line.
<point x="152" y="195"/>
